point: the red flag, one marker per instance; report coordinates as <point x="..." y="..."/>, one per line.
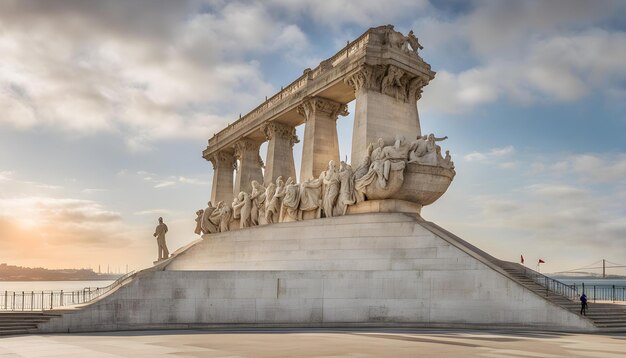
<point x="521" y="258"/>
<point x="541" y="261"/>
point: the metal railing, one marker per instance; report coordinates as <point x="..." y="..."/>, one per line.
<point x="604" y="292"/>
<point x="48" y="300"/>
<point x="552" y="285"/>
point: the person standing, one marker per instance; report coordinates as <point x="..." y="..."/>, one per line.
<point x="159" y="233"/>
<point x="583" y="304"/>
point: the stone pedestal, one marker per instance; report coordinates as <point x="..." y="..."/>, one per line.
<point x="223" y="166"/>
<point x="249" y="167"/>
<point x="385" y="106"/>
<point x="281" y="139"/>
<point x="321" y="144"/>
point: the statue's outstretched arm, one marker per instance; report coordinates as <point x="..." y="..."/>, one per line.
<point x="440" y="139"/>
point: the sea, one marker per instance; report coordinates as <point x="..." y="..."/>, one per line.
<point x="26" y="286"/>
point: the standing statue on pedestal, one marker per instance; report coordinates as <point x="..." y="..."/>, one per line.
<point x="159" y="233"/>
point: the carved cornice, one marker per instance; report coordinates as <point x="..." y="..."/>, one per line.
<point x="323" y="106"/>
<point x="222" y="160"/>
<point x="280" y="130"/>
<point x="244" y="145"/>
<point x="390" y="80"/>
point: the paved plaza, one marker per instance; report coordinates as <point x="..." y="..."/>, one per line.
<point x="315" y="343"/>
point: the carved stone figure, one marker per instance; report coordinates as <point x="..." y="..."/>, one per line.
<point x="431" y="155"/>
<point x="364" y="166"/>
<point x="226" y="217"/>
<point x="330" y="179"/>
<point x="447" y="161"/>
<point x="198" y="230"/>
<point x="291" y="202"/>
<point x="245" y="206"/>
<point x="208" y="226"/>
<point x="310" y="197"/>
<point x="385" y="176"/>
<point x="272" y="212"/>
<point x="159" y="233"/>
<point x="413" y="42"/>
<point x="346" y="189"/>
<point x="417" y="149"/>
<point x="215" y="217"/>
<point x="257" y="216"/>
<point x="236" y="208"/>
<point x="269" y="195"/>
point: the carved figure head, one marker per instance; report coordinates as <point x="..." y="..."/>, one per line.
<point x="332" y="165"/>
<point x="400" y="141"/>
<point x="381" y="142"/>
<point x="289" y="181"/>
<point x="210" y="205"/>
<point x="279" y="179"/>
<point x="160" y="220"/>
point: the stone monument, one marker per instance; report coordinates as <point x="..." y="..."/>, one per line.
<point x="345" y="245"/>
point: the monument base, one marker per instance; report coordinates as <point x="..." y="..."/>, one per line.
<point x="365" y="270"/>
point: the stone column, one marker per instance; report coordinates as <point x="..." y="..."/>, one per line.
<point x="385" y="105"/>
<point x="279" y="161"/>
<point x="250" y="165"/>
<point x="321" y="144"/>
<point x="223" y="167"/>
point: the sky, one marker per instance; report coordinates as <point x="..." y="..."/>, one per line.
<point x="105" y="108"/>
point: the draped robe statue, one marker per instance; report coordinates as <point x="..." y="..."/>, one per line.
<point x="291" y="202"/>
<point x="310" y="197"/>
<point x="207" y="225"/>
<point x="272" y="211"/>
<point x="330" y="179"/>
<point x="257" y="215"/>
<point x="198" y="230"/>
<point x="244" y="206"/>
<point x="346" y="189"/>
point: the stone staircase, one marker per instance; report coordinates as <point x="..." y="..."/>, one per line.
<point x="607" y="317"/>
<point x="12" y="323"/>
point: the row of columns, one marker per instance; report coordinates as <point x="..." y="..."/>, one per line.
<point x="386" y="106"/>
<point x="321" y="145"/>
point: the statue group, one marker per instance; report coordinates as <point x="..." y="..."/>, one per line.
<point x="378" y="176"/>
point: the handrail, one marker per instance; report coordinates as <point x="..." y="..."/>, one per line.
<point x="552" y="285"/>
<point x="48" y="300"/>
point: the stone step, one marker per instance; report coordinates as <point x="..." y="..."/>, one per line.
<point x="11" y="332"/>
<point x="22" y="326"/>
<point x="612" y="325"/>
<point x="13" y="323"/>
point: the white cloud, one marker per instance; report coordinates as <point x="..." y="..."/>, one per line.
<point x="170" y="72"/>
<point x="153" y="212"/>
<point x="491" y="155"/>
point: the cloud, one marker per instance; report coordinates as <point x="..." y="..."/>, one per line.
<point x="530" y="52"/>
<point x="6" y="175"/>
<point x="144" y="71"/>
<point x="153" y="212"/>
<point x="606" y="168"/>
<point x="491" y="155"/>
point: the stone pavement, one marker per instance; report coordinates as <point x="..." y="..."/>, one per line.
<point x="315" y="343"/>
